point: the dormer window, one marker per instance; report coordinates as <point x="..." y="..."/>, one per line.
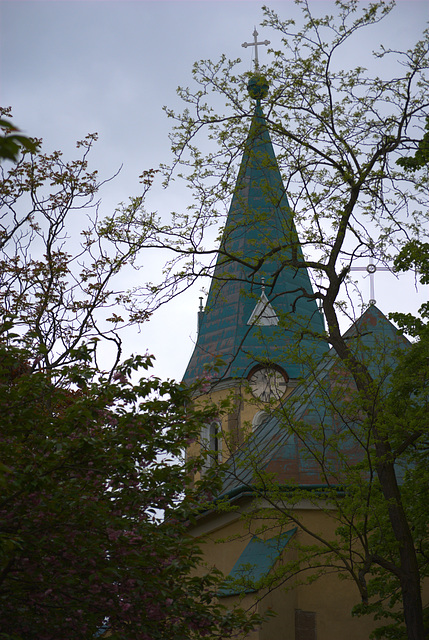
<point x="263" y="315"/>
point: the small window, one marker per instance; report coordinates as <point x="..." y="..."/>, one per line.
<point x="259" y="418"/>
<point x="215" y="439"/>
<point x="211" y="442"/>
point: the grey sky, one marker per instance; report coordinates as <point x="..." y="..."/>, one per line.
<point x="72" y="67"/>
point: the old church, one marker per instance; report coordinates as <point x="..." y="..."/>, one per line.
<point x="283" y="400"/>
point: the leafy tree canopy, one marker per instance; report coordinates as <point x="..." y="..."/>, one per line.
<point x="89" y="465"/>
<point x="11" y="142"/>
<point x="95" y="497"/>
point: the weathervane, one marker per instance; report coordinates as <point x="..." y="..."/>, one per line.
<point x="371" y="268"/>
<point x="255" y="44"/>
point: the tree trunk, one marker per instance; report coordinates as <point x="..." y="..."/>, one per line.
<point x="409" y="574"/>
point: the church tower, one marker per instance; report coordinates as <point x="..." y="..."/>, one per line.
<point x="260" y="297"/>
<point x="289" y="429"/>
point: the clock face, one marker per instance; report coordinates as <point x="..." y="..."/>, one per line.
<point x="268" y="383"/>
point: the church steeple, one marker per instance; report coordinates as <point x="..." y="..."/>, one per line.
<point x="258" y="299"/>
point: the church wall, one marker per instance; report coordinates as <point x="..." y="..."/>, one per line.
<point x="233" y="414"/>
<point x="331" y="600"/>
<point x="237" y="411"/>
<point x="331" y="597"/>
<point x="224" y="554"/>
<point x="281" y="626"/>
<point x="317" y="611"/>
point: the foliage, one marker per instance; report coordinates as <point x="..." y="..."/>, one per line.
<point x="414" y="255"/>
<point x="61" y="262"/>
<point x="12" y="141"/>
<point x="88" y="466"/>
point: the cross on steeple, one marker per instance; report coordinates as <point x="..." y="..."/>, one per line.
<point x="255" y="44"/>
<point x="371" y="268"/>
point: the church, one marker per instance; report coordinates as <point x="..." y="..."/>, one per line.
<point x="283" y="399"/>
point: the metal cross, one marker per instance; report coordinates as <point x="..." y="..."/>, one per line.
<point x="371" y="268"/>
<point x="255" y="44"/>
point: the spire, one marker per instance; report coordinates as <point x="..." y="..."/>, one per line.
<point x="252" y="281"/>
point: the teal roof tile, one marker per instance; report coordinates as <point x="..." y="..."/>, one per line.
<point x="274" y="449"/>
<point x="258" y="243"/>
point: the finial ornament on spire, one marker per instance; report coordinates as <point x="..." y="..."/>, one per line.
<point x="255" y="44"/>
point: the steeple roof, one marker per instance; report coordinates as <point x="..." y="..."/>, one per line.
<point x="254" y="268"/>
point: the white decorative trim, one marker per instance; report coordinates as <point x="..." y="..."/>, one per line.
<point x="263" y="314"/>
<point x="259" y="418"/>
<point x="211" y="442"/>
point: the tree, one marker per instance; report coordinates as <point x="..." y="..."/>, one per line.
<point x="339" y="134"/>
<point x="12" y="141"/>
<point x="87" y="469"/>
<point x="59" y="270"/>
<point x="95" y="496"/>
<point x="329" y="433"/>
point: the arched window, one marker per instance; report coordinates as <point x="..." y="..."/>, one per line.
<point x="259" y="418"/>
<point x="211" y="443"/>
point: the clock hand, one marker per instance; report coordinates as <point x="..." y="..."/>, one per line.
<point x="267" y="390"/>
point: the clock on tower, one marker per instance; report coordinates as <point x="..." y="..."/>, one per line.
<point x="268" y="383"/>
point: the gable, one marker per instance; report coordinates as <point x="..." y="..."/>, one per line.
<point x="263" y="314"/>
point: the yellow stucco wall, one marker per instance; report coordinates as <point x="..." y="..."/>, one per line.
<point x="224" y="538"/>
<point x="237" y="410"/>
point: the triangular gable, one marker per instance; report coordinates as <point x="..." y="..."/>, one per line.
<point x="263" y="315"/>
<point x="256" y="561"/>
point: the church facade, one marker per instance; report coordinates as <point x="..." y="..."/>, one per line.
<point x="283" y="399"/>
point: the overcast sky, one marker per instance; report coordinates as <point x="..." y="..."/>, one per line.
<point x="68" y="68"/>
